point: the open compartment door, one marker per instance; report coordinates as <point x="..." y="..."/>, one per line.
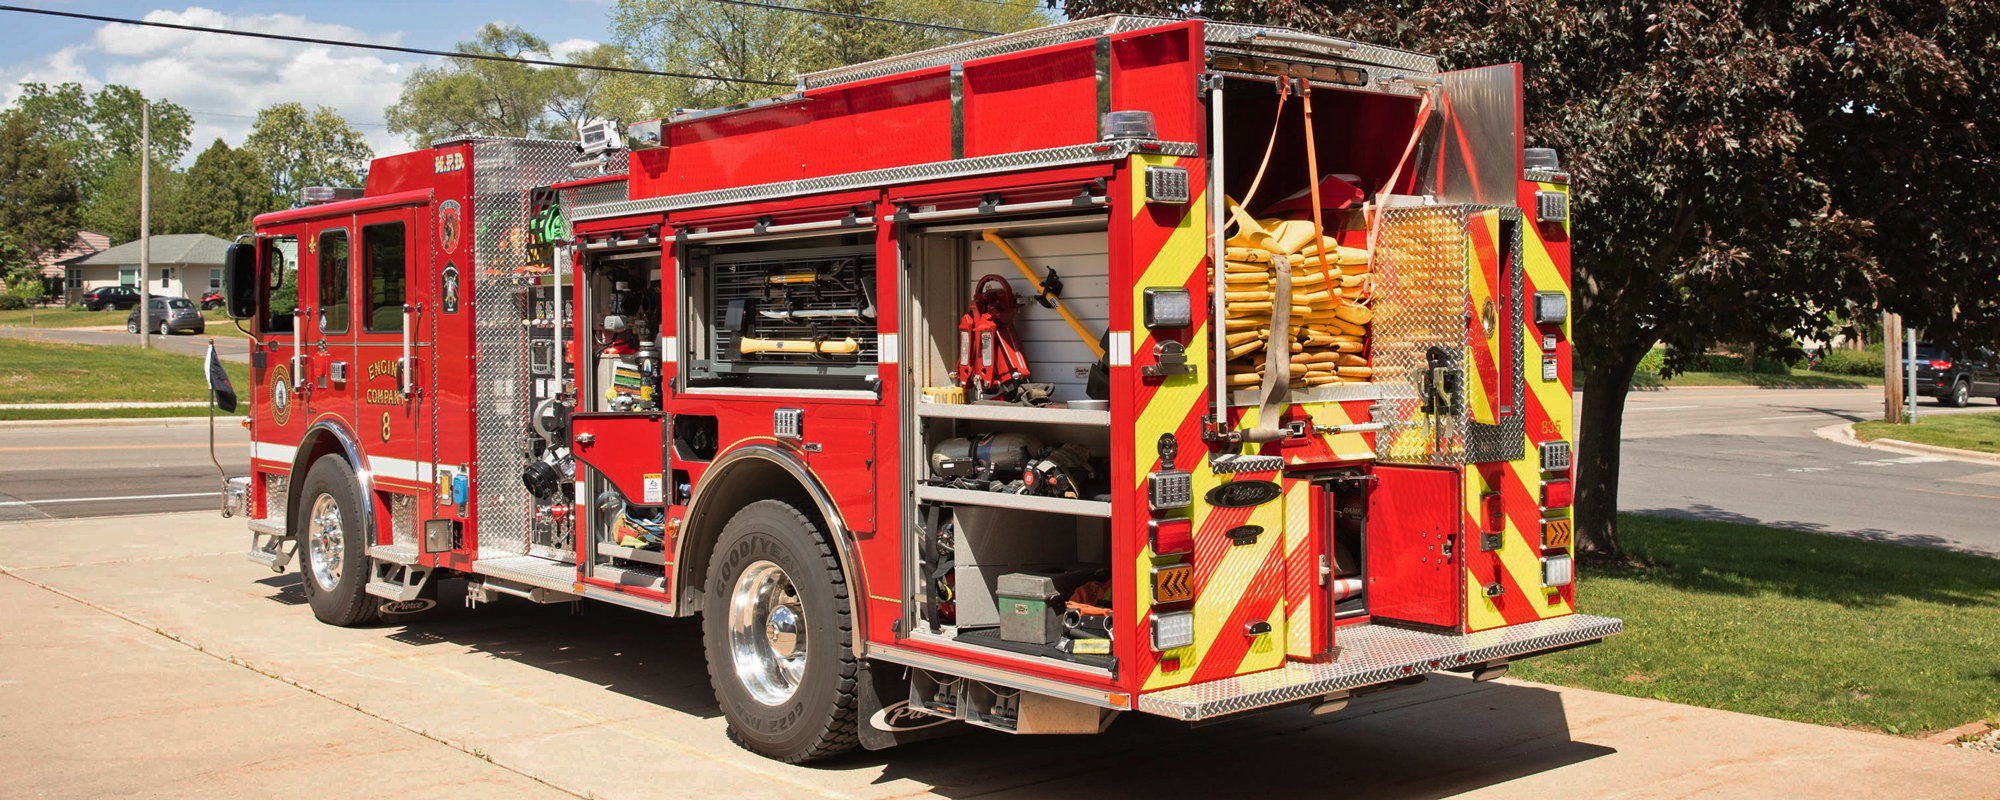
<point x="1479" y="146"/>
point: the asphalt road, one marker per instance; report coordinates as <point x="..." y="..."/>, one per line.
<point x="230" y="345"/>
<point x="1751" y="456"/>
<point x="61" y="471"/>
<point x="1735" y="455"/>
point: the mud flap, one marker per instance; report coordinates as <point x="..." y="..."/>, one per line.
<point x="883" y="706"/>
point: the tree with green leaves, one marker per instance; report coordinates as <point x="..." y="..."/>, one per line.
<point x="1740" y="169"/>
<point x="39" y="194"/>
<point x="98" y="130"/>
<point x="465" y="96"/>
<point x="723" y="40"/>
<point x="220" y="193"/>
<point x="300" y="148"/>
<point x="111" y="207"/>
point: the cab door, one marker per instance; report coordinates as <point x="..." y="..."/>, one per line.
<point x="326" y="289"/>
<point x="390" y="369"/>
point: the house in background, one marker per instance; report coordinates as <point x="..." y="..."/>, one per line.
<point x="52" y="265"/>
<point x="182" y="265"/>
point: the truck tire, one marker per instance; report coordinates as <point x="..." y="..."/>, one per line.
<point x="333" y="548"/>
<point x="778" y="635"/>
<point x="1961" y="394"/>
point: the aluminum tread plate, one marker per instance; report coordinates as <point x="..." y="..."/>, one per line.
<point x="1093" y="152"/>
<point x="530" y="570"/>
<point x="394" y="553"/>
<point x="1369" y="654"/>
<point x="1220" y="33"/>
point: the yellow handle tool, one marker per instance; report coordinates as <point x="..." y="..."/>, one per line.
<point x="841" y="347"/>
<point x="1008" y="251"/>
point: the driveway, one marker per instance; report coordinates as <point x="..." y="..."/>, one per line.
<point x="146" y="657"/>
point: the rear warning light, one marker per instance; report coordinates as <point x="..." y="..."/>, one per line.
<point x="1940" y="364"/>
<point x="1557" y="533"/>
<point x="1173" y="583"/>
<point x="1555" y="455"/>
<point x="1557" y="494"/>
<point x="1171" y="536"/>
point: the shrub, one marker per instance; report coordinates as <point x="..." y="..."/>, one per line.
<point x="12" y="302"/>
<point x="1851" y="362"/>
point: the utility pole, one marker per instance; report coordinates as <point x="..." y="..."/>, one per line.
<point x="1910" y="375"/>
<point x="1892" y="367"/>
<point x="145" y="224"/>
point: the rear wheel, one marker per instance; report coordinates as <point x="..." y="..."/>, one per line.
<point x="778" y="636"/>
<point x="333" y="546"/>
<point x="131" y="326"/>
<point x="166" y="328"/>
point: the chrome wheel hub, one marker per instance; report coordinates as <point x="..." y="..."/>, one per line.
<point x="767" y="633"/>
<point x="325" y="542"/>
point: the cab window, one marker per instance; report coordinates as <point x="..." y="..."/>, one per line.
<point x="383" y="270"/>
<point x="332" y="248"/>
<point x="281" y="282"/>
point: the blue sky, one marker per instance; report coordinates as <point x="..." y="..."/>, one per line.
<point x="224" y="80"/>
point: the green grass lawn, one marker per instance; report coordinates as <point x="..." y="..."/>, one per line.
<point x="1964" y="431"/>
<point x="61" y="318"/>
<point x="1798" y="379"/>
<point x="1794" y="625"/>
<point x="118" y="413"/>
<point x="48" y="372"/>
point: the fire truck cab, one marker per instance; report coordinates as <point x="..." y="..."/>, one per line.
<point x="1127" y="364"/>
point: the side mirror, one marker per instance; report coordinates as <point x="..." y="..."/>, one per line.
<point x="239" y="281"/>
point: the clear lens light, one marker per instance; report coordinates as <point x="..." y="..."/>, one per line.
<point x="1556" y="571"/>
<point x="1173" y="630"/>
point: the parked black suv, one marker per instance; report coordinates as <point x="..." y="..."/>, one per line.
<point x="1955" y="381"/>
<point x="104" y="297"/>
<point x="169" y="314"/>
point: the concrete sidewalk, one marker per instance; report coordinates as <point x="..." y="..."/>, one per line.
<point x="146" y="657"/>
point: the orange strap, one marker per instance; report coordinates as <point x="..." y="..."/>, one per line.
<point x="1382" y="194"/>
<point x="1283" y="94"/>
<point x="1312" y="172"/>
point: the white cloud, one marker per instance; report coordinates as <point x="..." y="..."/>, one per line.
<point x="561" y="51"/>
<point x="225" y="80"/>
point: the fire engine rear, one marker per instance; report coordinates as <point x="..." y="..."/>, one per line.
<point x="1128" y="364"/>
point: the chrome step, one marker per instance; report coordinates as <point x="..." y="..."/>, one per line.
<point x="395" y="581"/>
<point x="394" y="553"/>
<point x="269" y="546"/>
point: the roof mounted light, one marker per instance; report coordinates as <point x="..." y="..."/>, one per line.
<point x="1129" y="125"/>
<point x="599" y="136"/>
<point x="315" y="195"/>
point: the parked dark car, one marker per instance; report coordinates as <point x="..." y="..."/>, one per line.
<point x="1954" y="381"/>
<point x="169" y="316"/>
<point x="104" y="297"/>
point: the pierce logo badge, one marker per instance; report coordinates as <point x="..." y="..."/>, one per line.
<point x="1244" y="494"/>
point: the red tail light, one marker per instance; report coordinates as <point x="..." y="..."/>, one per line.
<point x="1939" y="363"/>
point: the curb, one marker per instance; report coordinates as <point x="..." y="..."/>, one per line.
<point x="121" y="422"/>
<point x="1951" y="736"/>
<point x="1843" y="433"/>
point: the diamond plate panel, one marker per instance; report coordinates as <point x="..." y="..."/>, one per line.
<point x="277" y="497"/>
<point x="936" y="170"/>
<point x="1094" y="27"/>
<point x="1419" y="260"/>
<point x="1507" y="439"/>
<point x="403" y="520"/>
<point x="503" y="170"/>
<point x="1369" y="654"/>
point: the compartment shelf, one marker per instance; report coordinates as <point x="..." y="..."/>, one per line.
<point x="631" y="554"/>
<point x="1023" y="502"/>
<point x="1013" y="413"/>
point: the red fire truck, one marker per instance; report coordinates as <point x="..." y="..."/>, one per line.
<point x="1128" y="364"/>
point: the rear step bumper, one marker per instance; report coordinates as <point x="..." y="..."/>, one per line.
<point x="1370" y="654"/>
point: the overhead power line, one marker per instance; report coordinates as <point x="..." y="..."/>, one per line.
<point x="390" y="48"/>
<point x="844" y="15"/>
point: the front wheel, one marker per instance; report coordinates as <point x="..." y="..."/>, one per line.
<point x="1961" y="395"/>
<point x="778" y="636"/>
<point x="333" y="546"/>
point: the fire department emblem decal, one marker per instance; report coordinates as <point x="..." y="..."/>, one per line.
<point x="281" y="394"/>
<point x="448" y="225"/>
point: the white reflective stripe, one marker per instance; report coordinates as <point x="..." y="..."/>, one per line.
<point x="273" y="452"/>
<point x="885" y="348"/>
<point x="400" y="468"/>
<point x="1119" y="349"/>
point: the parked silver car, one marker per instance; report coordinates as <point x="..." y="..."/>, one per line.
<point x="169" y="315"/>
